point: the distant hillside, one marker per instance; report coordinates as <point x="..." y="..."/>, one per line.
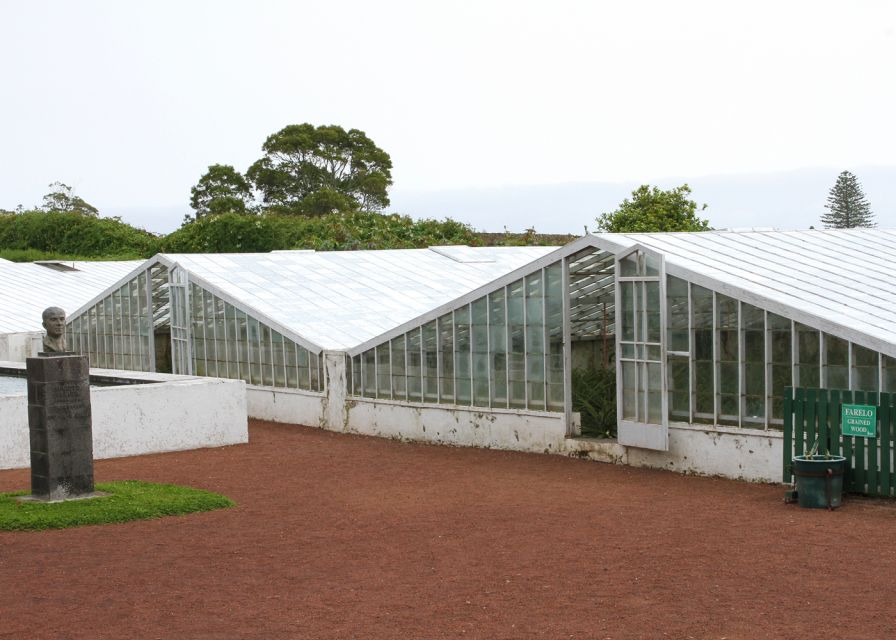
<point x="786" y="200"/>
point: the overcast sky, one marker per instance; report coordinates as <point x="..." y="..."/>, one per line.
<point x="130" y="102"/>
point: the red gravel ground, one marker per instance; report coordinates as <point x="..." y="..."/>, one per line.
<point x="339" y="536"/>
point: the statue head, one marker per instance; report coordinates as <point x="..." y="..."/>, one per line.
<point x="54" y="321"/>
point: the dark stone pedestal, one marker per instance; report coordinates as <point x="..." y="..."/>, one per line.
<point x="59" y="423"/>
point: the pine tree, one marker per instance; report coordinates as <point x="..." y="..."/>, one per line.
<point x="847" y="206"/>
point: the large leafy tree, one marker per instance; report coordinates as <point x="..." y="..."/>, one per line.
<point x="222" y="189"/>
<point x="847" y="206"/>
<point x="652" y="209"/>
<point x="310" y="170"/>
<point x="62" y="198"/>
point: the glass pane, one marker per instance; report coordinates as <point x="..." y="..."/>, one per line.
<point x="278" y="358"/>
<point x="753" y="332"/>
<point x="243" y="344"/>
<point x="639" y="320"/>
<point x="628" y="391"/>
<point x="702" y="344"/>
<point x="462" y="378"/>
<point x="627" y="314"/>
<point x="398" y="368"/>
<point x="303" y="367"/>
<point x="780" y="367"/>
<point x="368" y="364"/>
<point x="357" y="381"/>
<point x="498" y="348"/>
<point x="654" y="392"/>
<point x="383" y="372"/>
<point x="265" y="359"/>
<point x="446" y="358"/>
<point x="864" y="369"/>
<point x="415" y="367"/>
<point x="430" y="362"/>
<point x="292" y="372"/>
<point x="888" y="364"/>
<point x="808" y="370"/>
<point x="628" y="266"/>
<point x="652" y="311"/>
<point x="677" y="314"/>
<point x="315" y="361"/>
<point x="554" y="333"/>
<point x="728" y="381"/>
<point x="480" y="339"/>
<point x="652" y="265"/>
<point x="679" y="389"/>
<point x="255" y="349"/>
<point x="836" y="362"/>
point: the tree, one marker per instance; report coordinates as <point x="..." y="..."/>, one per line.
<point x="310" y="170"/>
<point x="62" y="198"/>
<point x="847" y="206"/>
<point x="221" y="190"/>
<point x="652" y="209"/>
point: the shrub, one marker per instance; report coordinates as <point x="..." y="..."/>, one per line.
<point x="58" y="233"/>
<point x="594" y="397"/>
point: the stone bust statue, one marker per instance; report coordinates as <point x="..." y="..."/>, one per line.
<point x="54" y="323"/>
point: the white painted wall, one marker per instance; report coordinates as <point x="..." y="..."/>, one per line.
<point x="518" y="430"/>
<point x="730" y="452"/>
<point x="286" y="405"/>
<point x="15" y="347"/>
<point x="743" y="454"/>
<point x="189" y="413"/>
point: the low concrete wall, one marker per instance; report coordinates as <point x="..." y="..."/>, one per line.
<point x="742" y="454"/>
<point x="518" y="430"/>
<point x="286" y="405"/>
<point x="178" y="414"/>
<point x="15" y="347"/>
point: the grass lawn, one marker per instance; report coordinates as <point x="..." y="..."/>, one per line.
<point x="129" y="500"/>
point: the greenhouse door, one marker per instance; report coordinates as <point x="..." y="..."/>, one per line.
<point x="640" y="366"/>
<point x="181" y="360"/>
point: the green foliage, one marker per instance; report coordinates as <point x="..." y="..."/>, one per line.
<point x="337" y="231"/>
<point x="224" y="233"/>
<point x="62" y="198"/>
<point x="73" y="234"/>
<point x="130" y="500"/>
<point x="594" y="397"/>
<point x="33" y="255"/>
<point x="651" y="209"/>
<point x="847" y="206"/>
<point x="312" y="171"/>
<point x="222" y="189"/>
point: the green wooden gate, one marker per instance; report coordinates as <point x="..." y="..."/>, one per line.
<point x="811" y="414"/>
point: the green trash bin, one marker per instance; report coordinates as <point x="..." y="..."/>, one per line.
<point x="819" y="480"/>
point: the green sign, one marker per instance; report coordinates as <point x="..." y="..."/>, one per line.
<point x="859" y="420"/>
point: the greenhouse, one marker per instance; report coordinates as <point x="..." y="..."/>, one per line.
<point x="26" y="289"/>
<point x="489" y="346"/>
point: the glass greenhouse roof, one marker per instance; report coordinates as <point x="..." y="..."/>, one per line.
<point x="337" y="300"/>
<point x="842" y="281"/>
<point x="26" y="289"/>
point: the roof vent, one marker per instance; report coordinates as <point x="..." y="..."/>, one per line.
<point x="56" y="265"/>
<point x="462" y="253"/>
